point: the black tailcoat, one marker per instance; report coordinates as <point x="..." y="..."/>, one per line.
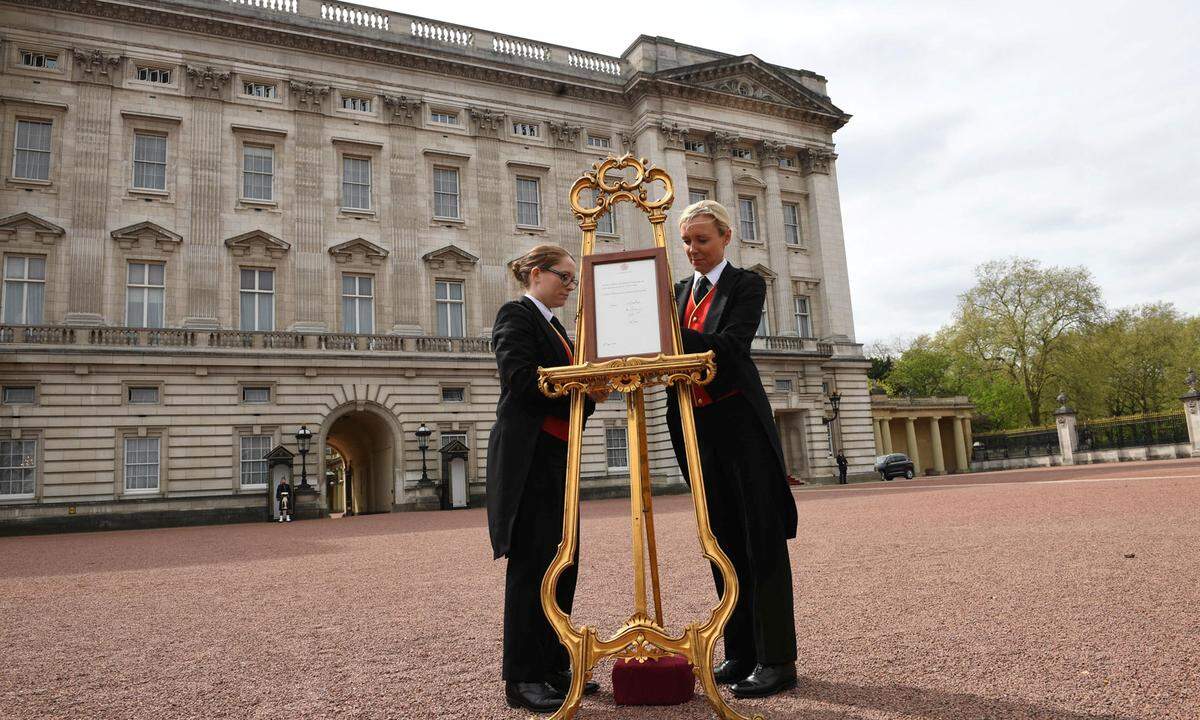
<point x="728" y="330"/>
<point x="523" y="341"/>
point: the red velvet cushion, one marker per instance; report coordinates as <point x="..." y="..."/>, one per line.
<point x="666" y="681"/>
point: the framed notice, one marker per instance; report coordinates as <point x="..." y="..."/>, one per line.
<point x="628" y="308"/>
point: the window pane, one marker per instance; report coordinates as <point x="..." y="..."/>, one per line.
<point x="143" y="395"/>
<point x="137" y="273"/>
<point x="256" y="394"/>
<point x="154" y="308"/>
<point x="349" y="314"/>
<point x="348" y="284"/>
<point x="14" y="266"/>
<point x="14" y="303"/>
<point x="364" y="285"/>
<point x="443" y="319"/>
<point x="247" y="279"/>
<point x="456" y="291"/>
<point x="266" y="279"/>
<point x="155" y="274"/>
<point x="19" y="394"/>
<point x="456" y="321"/>
<point x="135" y="309"/>
<point x="247" y="311"/>
<point x="440" y="291"/>
<point x="364" y="316"/>
<point x="266" y="312"/>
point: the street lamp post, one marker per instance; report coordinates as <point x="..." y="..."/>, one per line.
<point x="303" y="439"/>
<point x="835" y="401"/>
<point x="423" y="434"/>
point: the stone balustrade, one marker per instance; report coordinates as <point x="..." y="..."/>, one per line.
<point x="174" y="339"/>
<point x="398" y="27"/>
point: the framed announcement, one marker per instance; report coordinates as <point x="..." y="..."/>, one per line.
<point x="628" y="308"/>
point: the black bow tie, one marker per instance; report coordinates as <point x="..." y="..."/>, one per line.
<point x="700" y="291"/>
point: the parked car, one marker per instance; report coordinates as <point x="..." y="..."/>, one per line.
<point x="894" y="465"/>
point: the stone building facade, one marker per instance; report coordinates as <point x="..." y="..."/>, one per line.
<point x="934" y="432"/>
<point x="222" y="221"/>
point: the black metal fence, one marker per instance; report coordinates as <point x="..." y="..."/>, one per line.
<point x="1133" y="432"/>
<point x="1020" y="444"/>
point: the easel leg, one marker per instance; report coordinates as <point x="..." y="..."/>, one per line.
<point x="648" y="505"/>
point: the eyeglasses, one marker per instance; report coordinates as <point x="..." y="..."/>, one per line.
<point x="567" y="279"/>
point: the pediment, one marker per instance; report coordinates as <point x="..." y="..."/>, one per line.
<point x="26" y="226"/>
<point x="358" y="249"/>
<point x="146" y="235"/>
<point x="747" y="179"/>
<point x="454" y="447"/>
<point x="257" y="242"/>
<point x="443" y="257"/>
<point x="763" y="271"/>
<point x="279" y="455"/>
<point x="750" y="80"/>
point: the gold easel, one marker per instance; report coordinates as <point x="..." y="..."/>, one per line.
<point x="640" y="638"/>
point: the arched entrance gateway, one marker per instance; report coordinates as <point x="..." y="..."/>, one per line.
<point x="367" y="438"/>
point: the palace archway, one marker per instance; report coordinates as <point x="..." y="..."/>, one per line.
<point x="366" y="436"/>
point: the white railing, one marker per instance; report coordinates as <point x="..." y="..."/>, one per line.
<point x="354" y="16"/>
<point x="441" y="33"/>
<point x="287" y="6"/>
<point x="593" y="63"/>
<point x="520" y="48"/>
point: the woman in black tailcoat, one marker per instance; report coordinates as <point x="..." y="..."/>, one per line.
<point x="526" y="474"/>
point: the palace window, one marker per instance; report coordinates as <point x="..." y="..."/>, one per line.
<point x="747" y="220"/>
<point x="257" y="299"/>
<point x="358" y="104"/>
<point x="35" y="59"/>
<point x="24" y="289"/>
<point x="616" y="448"/>
<point x="445" y="193"/>
<point x="787" y="161"/>
<point x="597" y="141"/>
<point x="145" y="293"/>
<point x="791" y="224"/>
<point x="141" y="395"/>
<point x="783" y="385"/>
<point x="258" y="173"/>
<point x="260" y="89"/>
<point x="528" y="202"/>
<point x="20" y="395"/>
<point x="31" y="150"/>
<point x="742" y="153"/>
<point x="448" y="297"/>
<point x="154" y="75"/>
<point x="18" y="468"/>
<point x="256" y="394"/>
<point x="356" y="183"/>
<point x="454" y="394"/>
<point x="695" y="196"/>
<point x="803" y="317"/>
<point x="149" y="161"/>
<point x="142" y="464"/>
<point x="358" y="304"/>
<point x="696" y="146"/>
<point x="443" y="117"/>
<point x="527" y="129"/>
<point x="254" y="449"/>
<point x="606" y="224"/>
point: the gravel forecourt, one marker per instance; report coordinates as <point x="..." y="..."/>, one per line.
<point x="1056" y="594"/>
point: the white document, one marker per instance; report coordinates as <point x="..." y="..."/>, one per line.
<point x="627" y="308"/>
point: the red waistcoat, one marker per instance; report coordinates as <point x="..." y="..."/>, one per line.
<point x="553" y="424"/>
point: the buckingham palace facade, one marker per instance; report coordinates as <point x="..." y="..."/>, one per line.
<point x="222" y="220"/>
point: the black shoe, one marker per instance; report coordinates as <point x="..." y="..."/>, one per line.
<point x="535" y="696"/>
<point x="767" y="680"/>
<point x="561" y="681"/>
<point x="729" y="672"/>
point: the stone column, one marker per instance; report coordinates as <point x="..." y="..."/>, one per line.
<point x="405" y="212"/>
<point x="885" y="429"/>
<point x="723" y="164"/>
<point x="935" y="439"/>
<point x="910" y="437"/>
<point x="492" y="179"/>
<point x="86" y="242"/>
<point x="1191" y="413"/>
<point x="668" y="143"/>
<point x="828" y="248"/>
<point x="316" y="307"/>
<point x="208" y="89"/>
<point x="783" y="320"/>
<point x="878" y="436"/>
<point x="967" y="438"/>
<point x="960" y="446"/>
<point x="1068" y="439"/>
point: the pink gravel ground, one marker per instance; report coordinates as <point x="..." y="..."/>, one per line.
<point x="1002" y="595"/>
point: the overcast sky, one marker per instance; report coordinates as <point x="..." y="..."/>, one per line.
<point x="1063" y="131"/>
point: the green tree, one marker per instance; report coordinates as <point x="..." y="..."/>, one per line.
<point x="1018" y="316"/>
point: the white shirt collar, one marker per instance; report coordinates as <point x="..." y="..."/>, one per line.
<point x="713" y="275"/>
<point x="540" y="306"/>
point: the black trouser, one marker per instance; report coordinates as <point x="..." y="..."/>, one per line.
<point x="531" y="648"/>
<point x="842" y="474"/>
<point x="739" y="463"/>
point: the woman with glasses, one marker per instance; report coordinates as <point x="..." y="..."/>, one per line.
<point x="526" y="474"/>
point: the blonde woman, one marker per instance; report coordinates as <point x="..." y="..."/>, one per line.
<point x="526" y="473"/>
<point x="749" y="502"/>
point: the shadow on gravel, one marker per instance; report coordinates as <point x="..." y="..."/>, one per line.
<point x="934" y="704"/>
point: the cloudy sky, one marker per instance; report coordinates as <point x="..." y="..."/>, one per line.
<point x="1066" y="131"/>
